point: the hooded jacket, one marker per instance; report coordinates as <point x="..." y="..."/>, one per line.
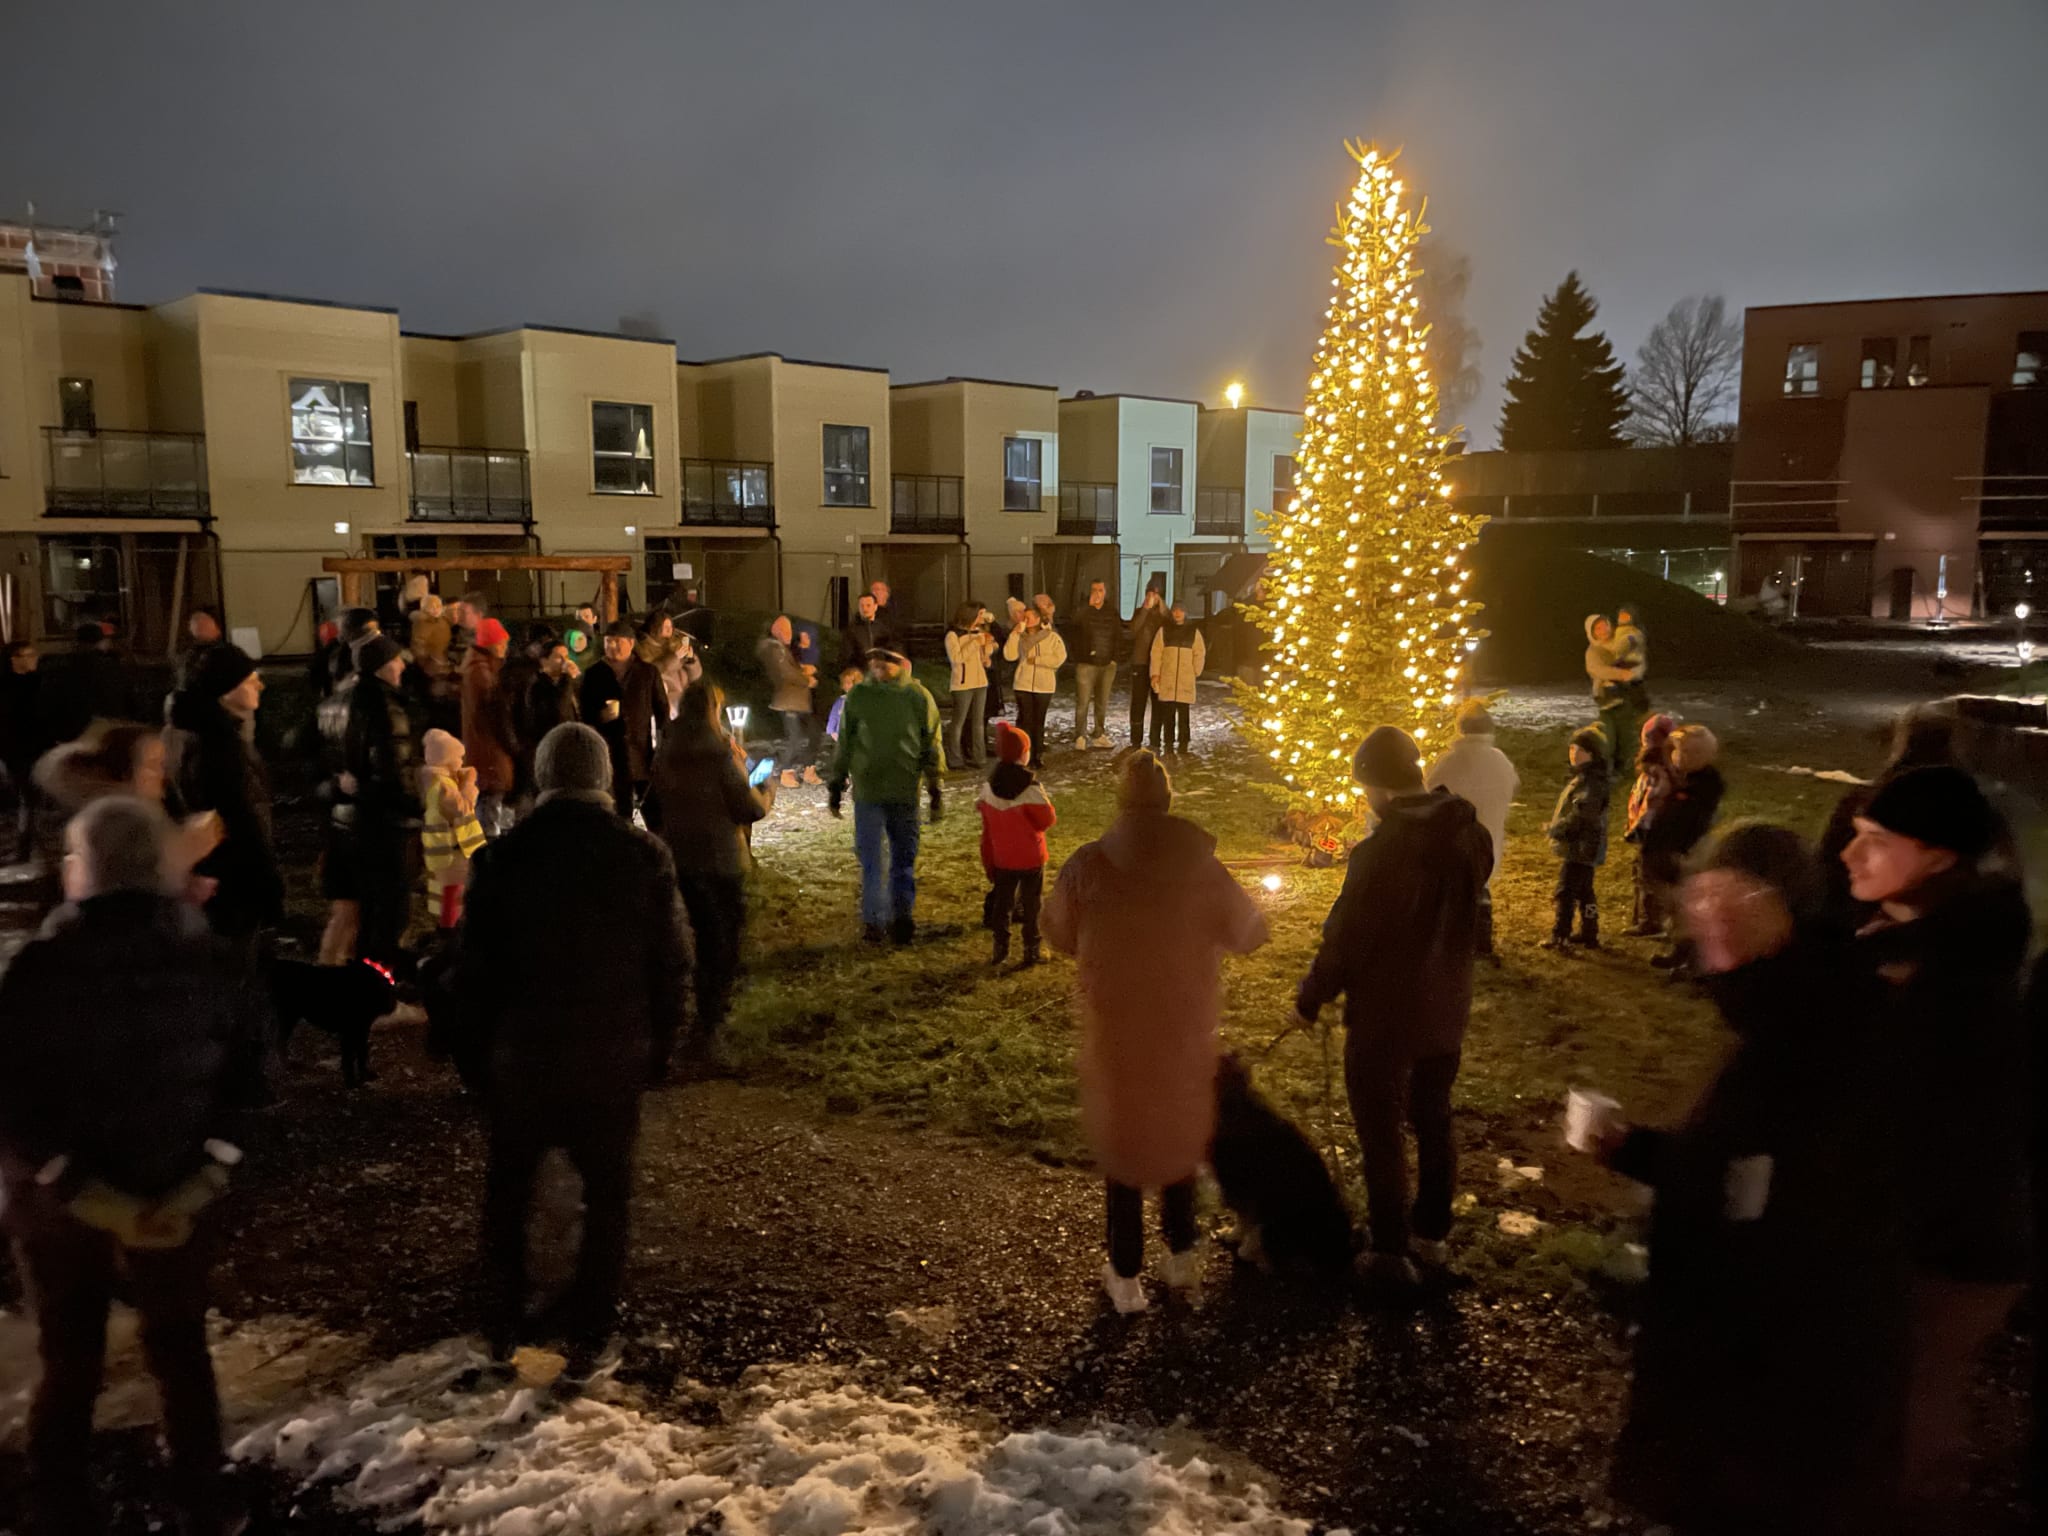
<point x="1398" y="943"/>
<point x="1654" y="783"/>
<point x="1015" y="816"/>
<point x="1178" y="655"/>
<point x="1602" y="667"/>
<point x="789" y="689"/>
<point x="1578" y="827"/>
<point x="383" y="753"/>
<point x="214" y="767"/>
<point x="700" y="804"/>
<point x="968" y="659"/>
<point x="488" y="740"/>
<point x="1149" y="913"/>
<point x="1478" y="772"/>
<point x="889" y="740"/>
<point x="1039" y="654"/>
<point x="1682" y="820"/>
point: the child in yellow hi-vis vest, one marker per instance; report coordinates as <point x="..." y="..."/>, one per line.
<point x="452" y="832"/>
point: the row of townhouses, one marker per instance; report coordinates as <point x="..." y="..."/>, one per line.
<point x="220" y="448"/>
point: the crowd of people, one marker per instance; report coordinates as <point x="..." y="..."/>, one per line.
<point x="1841" y="1222"/>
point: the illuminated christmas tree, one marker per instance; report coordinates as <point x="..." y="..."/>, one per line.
<point x="1364" y="608"/>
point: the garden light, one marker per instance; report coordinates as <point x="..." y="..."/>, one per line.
<point x="1271" y="882"/>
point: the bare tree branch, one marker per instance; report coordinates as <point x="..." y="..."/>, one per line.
<point x="1686" y="373"/>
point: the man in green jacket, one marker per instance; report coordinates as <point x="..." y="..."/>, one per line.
<point x="888" y="741"/>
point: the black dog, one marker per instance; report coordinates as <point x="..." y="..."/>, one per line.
<point x="343" y="1000"/>
<point x="1289" y="1213"/>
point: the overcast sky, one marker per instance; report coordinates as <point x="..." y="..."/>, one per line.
<point x="1108" y="195"/>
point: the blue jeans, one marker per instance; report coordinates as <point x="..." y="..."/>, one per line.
<point x="892" y="893"/>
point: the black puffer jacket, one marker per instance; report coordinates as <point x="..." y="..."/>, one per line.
<point x="128" y="1036"/>
<point x="1578" y="827"/>
<point x="1951" y="992"/>
<point x="1682" y="821"/>
<point x="382" y="752"/>
<point x="1770" y="1367"/>
<point x="1101" y="636"/>
<point x="699" y="802"/>
<point x="575" y="999"/>
<point x="1399" y="941"/>
<point x="214" y="767"/>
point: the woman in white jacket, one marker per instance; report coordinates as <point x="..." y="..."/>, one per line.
<point x="1478" y="772"/>
<point x="969" y="648"/>
<point x="1178" y="656"/>
<point x="1039" y="652"/>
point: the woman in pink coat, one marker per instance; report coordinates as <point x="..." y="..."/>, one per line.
<point x="1149" y="913"/>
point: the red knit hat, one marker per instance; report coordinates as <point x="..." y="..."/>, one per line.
<point x="491" y="632"/>
<point x="1012" y="745"/>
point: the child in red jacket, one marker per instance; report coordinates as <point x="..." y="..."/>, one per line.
<point x="1014" y="816"/>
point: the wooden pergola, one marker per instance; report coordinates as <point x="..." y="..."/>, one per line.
<point x="353" y="568"/>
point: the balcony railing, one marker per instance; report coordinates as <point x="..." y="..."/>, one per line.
<point x="125" y="474"/>
<point x="926" y="504"/>
<point x="1219" y="510"/>
<point x="470" y="485"/>
<point x="728" y="493"/>
<point x="1087" y="509"/>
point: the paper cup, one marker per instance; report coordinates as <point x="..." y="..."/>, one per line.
<point x="1586" y="1117"/>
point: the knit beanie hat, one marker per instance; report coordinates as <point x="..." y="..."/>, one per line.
<point x="491" y="632"/>
<point x="1013" y="745"/>
<point x="573" y="759"/>
<point x="441" y="749"/>
<point x="1941" y="807"/>
<point x="219" y="670"/>
<point x="1594" y="740"/>
<point x="1388" y="759"/>
<point x="1474" y="719"/>
<point x="1657" y="730"/>
<point x="375" y="652"/>
<point x="356" y="623"/>
<point x="1144" y="785"/>
<point x="1694" y="747"/>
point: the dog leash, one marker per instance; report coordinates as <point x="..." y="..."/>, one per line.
<point x="1329" y="1083"/>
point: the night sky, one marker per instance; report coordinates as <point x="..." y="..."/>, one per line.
<point x="1110" y="195"/>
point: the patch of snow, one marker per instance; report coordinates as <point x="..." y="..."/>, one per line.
<point x="1513" y="1177"/>
<point x="1832" y="775"/>
<point x="1520" y="1224"/>
<point x="432" y="1438"/>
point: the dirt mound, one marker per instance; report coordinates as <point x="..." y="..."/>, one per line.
<point x="1537" y="601"/>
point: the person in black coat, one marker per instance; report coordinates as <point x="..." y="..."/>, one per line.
<point x="700" y="804"/>
<point x="617" y="700"/>
<point x="1945" y="946"/>
<point x="94" y="682"/>
<point x="213" y="766"/>
<point x="383" y="757"/>
<point x="1399" y="946"/>
<point x="869" y="631"/>
<point x="1682" y="821"/>
<point x="1770" y="1373"/>
<point x="561" y="1052"/>
<point x="1146" y="622"/>
<point x="130" y="1038"/>
<point x="1578" y="836"/>
<point x="23" y="735"/>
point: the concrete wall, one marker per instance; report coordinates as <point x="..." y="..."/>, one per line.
<point x="20" y="442"/>
<point x="430" y="365"/>
<point x="101" y="342"/>
<point x="1268" y="435"/>
<point x="1089" y="440"/>
<point x="1146" y="538"/>
<point x="1907" y="458"/>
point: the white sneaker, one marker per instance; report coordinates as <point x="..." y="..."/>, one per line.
<point x="1183" y="1271"/>
<point x="1125" y="1295"/>
<point x="1102" y="740"/>
<point x="1435" y="1254"/>
<point x="1080" y="743"/>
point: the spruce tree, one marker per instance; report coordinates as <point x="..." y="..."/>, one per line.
<point x="1567" y="390"/>
<point x="1365" y="608"/>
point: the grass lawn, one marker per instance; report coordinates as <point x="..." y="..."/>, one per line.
<point x="933" y="1035"/>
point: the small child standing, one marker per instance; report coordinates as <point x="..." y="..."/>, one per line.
<point x="1015" y="815"/>
<point x="835" y="717"/>
<point x="1646" y="798"/>
<point x="1578" y="836"/>
<point x="452" y="833"/>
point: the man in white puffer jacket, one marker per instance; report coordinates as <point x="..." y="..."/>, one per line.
<point x="1477" y="771"/>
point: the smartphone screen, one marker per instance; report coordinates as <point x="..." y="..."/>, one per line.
<point x="761" y="772"/>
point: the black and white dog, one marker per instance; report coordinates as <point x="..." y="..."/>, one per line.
<point x="341" y="1000"/>
<point x="1289" y="1213"/>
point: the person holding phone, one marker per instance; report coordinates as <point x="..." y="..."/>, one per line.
<point x="969" y="650"/>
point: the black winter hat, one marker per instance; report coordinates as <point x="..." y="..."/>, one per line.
<point x="1595" y="741"/>
<point x="218" y="670"/>
<point x="1941" y="807"/>
<point x="356" y="623"/>
<point x="1388" y="759"/>
<point x="377" y="651"/>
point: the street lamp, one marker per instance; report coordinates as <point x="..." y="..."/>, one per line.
<point x="1233" y="392"/>
<point x="736" y="719"/>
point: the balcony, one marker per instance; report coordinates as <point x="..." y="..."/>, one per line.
<point x="1087" y="510"/>
<point x="125" y="474"/>
<point x="728" y="493"/>
<point x="470" y="485"/>
<point x="926" y="504"/>
<point x="1219" y="510"/>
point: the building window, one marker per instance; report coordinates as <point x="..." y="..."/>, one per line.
<point x="2030" y="360"/>
<point x="846" y="467"/>
<point x="1023" y="474"/>
<point x="1802" y="368"/>
<point x="1918" y="367"/>
<point x="621" y="448"/>
<point x="1166" y="482"/>
<point x="81" y="582"/>
<point x="412" y="426"/>
<point x="331" y="433"/>
<point x="1880" y="362"/>
<point x="1283" y="481"/>
<point x="74" y="405"/>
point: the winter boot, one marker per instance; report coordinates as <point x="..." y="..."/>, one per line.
<point x="874" y="933"/>
<point x="1183" y="1272"/>
<point x="1002" y="947"/>
<point x="902" y="931"/>
<point x="1589" y="926"/>
<point x="1031" y="952"/>
<point x="1125" y="1293"/>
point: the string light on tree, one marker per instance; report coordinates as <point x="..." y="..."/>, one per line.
<point x="1365" y="607"/>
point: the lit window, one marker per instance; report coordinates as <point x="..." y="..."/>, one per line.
<point x="74" y="404"/>
<point x="1283" y="482"/>
<point x="1918" y="371"/>
<point x="1023" y="474"/>
<point x="622" y="448"/>
<point x="1166" y="481"/>
<point x="1880" y="362"/>
<point x="1802" y="368"/>
<point x="2030" y="360"/>
<point x="331" y="433"/>
<point x="846" y="467"/>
